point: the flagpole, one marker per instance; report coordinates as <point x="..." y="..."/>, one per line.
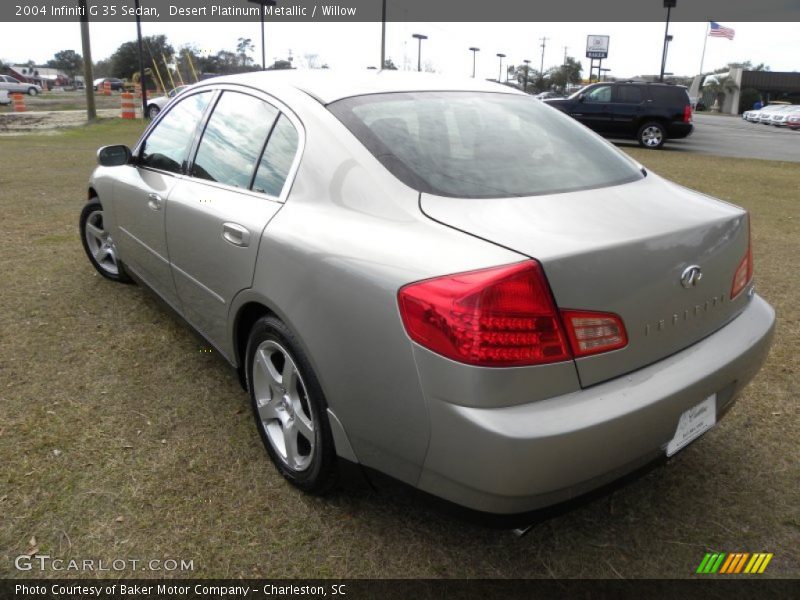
<point x="705" y="41"/>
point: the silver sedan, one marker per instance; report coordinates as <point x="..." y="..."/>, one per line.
<point x="444" y="281"/>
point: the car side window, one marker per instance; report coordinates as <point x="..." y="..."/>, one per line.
<point x="599" y="94"/>
<point x="233" y="139"/>
<point x="277" y="159"/>
<point x="629" y="94"/>
<point x="168" y="145"/>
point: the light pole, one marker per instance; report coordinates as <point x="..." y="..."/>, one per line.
<point x="603" y="76"/>
<point x="669" y="5"/>
<point x="263" y="4"/>
<point x="474" y="52"/>
<point x="666" y="52"/>
<point x="419" y="37"/>
<point x="527" y="62"/>
<point x="501" y="56"/>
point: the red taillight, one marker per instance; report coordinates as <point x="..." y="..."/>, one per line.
<point x="687" y="114"/>
<point x="744" y="272"/>
<point x="498" y="317"/>
<point x="594" y="332"/>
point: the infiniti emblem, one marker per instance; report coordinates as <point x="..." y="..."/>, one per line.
<point x="691" y="276"/>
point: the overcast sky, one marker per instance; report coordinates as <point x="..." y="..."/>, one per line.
<point x="635" y="48"/>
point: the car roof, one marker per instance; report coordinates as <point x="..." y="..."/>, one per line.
<point x="327" y="85"/>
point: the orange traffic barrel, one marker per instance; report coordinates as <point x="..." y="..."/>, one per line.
<point x="19" y="102"/>
<point x="106" y="88"/>
<point x="128" y="106"/>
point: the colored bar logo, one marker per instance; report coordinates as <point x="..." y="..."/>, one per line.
<point x="734" y="563"/>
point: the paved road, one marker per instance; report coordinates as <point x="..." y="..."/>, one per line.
<point x="733" y="136"/>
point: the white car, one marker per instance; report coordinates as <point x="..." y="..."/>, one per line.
<point x="15" y="86"/>
<point x="779" y="117"/>
<point x="4" y="98"/>
<point x="155" y="105"/>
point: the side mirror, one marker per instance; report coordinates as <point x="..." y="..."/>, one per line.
<point x="581" y="97"/>
<point x="114" y="156"/>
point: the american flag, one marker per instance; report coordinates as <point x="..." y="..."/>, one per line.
<point x="718" y="30"/>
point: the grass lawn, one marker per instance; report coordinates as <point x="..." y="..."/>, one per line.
<point x="119" y="438"/>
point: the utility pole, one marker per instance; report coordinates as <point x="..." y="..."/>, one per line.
<point x="88" y="77"/>
<point x="544" y="44"/>
<point x="383" y="36"/>
<point x="565" y="54"/>
<point x="142" y="75"/>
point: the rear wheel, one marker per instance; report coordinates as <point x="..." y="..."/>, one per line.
<point x="289" y="407"/>
<point x="652" y="135"/>
<point x="152" y="111"/>
<point x="32" y="91"/>
<point x="98" y="244"/>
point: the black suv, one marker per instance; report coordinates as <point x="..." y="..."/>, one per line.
<point x="651" y="113"/>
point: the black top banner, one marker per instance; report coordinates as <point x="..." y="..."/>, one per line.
<point x="399" y="10"/>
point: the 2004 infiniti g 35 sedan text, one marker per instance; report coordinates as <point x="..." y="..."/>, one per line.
<point x="446" y="281"/>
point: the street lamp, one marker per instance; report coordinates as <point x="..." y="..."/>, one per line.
<point x="419" y="37"/>
<point x="474" y="51"/>
<point x="666" y="53"/>
<point x="501" y="56"/>
<point x="527" y="62"/>
<point x="263" y="4"/>
<point x="669" y="5"/>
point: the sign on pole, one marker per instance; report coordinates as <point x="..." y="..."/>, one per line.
<point x="597" y="46"/>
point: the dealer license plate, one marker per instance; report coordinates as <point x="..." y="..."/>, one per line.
<point x="694" y="423"/>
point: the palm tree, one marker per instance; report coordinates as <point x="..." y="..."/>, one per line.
<point x="719" y="85"/>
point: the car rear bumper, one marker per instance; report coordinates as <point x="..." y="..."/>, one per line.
<point x="520" y="458"/>
<point x="679" y="130"/>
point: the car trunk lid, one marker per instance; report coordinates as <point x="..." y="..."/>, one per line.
<point x="623" y="250"/>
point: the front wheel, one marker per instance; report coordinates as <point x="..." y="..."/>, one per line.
<point x="289" y="407"/>
<point x="152" y="111"/>
<point x="652" y="135"/>
<point x="32" y="91"/>
<point x="97" y="242"/>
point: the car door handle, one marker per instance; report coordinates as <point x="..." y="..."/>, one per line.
<point x="154" y="201"/>
<point x="235" y="234"/>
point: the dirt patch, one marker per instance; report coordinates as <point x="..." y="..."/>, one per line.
<point x="47" y="121"/>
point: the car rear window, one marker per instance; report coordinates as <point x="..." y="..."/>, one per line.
<point x="481" y="144"/>
<point x="667" y="94"/>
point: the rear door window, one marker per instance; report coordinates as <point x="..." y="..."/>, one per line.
<point x="278" y="158"/>
<point x="629" y="94"/>
<point x="233" y="139"/>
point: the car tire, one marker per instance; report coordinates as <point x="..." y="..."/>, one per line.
<point x="98" y="244"/>
<point x="652" y="135"/>
<point x="152" y="111"/>
<point x="289" y="407"/>
<point x="32" y="91"/>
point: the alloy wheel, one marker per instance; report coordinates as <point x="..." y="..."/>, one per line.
<point x="286" y="416"/>
<point x="652" y="136"/>
<point x="100" y="244"/>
